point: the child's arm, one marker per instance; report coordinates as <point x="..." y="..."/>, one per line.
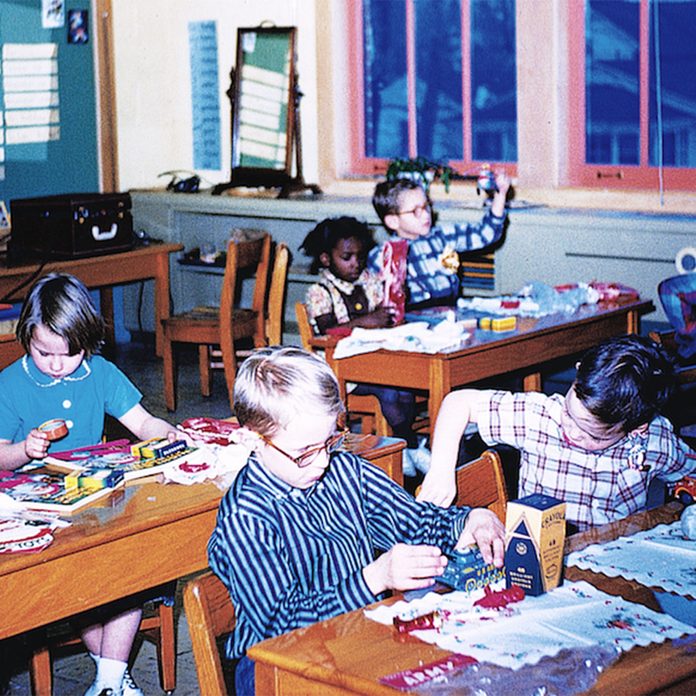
<point x="502" y="182"/>
<point x="145" y="426"/>
<point x="458" y="409"/>
<point x="13" y="455"/>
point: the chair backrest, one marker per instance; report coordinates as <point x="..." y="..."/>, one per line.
<point x="245" y="256"/>
<point x="209" y="614"/>
<point x="480" y="483"/>
<point x="303" y="326"/>
<point x="276" y="295"/>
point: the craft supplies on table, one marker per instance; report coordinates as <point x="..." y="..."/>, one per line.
<point x="574" y="616"/>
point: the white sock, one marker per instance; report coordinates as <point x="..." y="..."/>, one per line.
<point x="110" y="672"/>
<point x="96" y="658"/>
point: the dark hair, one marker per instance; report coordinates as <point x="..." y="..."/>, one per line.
<point x="626" y="380"/>
<point x="62" y="304"/>
<point x="326" y="235"/>
<point x="385" y="199"/>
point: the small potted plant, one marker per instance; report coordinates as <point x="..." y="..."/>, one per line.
<point x="422" y="170"/>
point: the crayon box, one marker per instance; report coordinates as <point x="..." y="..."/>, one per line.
<point x="534" y="538"/>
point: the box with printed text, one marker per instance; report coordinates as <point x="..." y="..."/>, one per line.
<point x="534" y="538"/>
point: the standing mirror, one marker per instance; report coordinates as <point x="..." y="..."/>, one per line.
<point x="265" y="111"/>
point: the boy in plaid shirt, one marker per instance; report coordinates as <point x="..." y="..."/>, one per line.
<point x="432" y="276"/>
<point x="597" y="447"/>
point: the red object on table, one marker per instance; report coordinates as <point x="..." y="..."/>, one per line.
<point x="394" y="255"/>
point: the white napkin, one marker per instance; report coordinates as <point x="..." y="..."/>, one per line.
<point x="415" y="337"/>
<point x="659" y="557"/>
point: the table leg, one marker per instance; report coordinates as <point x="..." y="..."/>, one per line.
<point x="440" y="385"/>
<point x="532" y="382"/>
<point x="106" y="303"/>
<point x="162" y="308"/>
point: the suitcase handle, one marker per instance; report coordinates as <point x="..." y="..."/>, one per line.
<point x="100" y="236"/>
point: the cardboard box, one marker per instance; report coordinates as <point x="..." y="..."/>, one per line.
<point x="534" y="538"/>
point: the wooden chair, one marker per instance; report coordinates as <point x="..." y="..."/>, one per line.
<point x="10" y="350"/>
<point x="276" y="295"/>
<point x="221" y="325"/>
<point x="480" y="483"/>
<point x="157" y="626"/>
<point x="364" y="407"/>
<point x="210" y="615"/>
<point x="275" y="306"/>
<point x="682" y="408"/>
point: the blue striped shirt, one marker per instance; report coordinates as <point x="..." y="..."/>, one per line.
<point x="430" y="274"/>
<point x="291" y="557"/>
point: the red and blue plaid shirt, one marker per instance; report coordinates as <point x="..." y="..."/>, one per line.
<point x="597" y="487"/>
<point x="431" y="275"/>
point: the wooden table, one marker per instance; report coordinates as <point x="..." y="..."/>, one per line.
<point x="349" y="653"/>
<point x="141" y="536"/>
<point x="488" y="354"/>
<point x="102" y="272"/>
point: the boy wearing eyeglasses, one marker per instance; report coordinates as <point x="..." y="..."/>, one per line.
<point x="432" y="276"/>
<point x="308" y="531"/>
<point x="597" y="447"/>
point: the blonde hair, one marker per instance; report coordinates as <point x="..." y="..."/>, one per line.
<point x="274" y="385"/>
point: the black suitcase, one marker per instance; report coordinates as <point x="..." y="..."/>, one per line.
<point x="70" y="226"/>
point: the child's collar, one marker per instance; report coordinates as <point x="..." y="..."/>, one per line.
<point x="41" y="379"/>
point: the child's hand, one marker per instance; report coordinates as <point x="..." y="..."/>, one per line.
<point x="36" y="444"/>
<point x="381" y="317"/>
<point x="502" y="181"/>
<point x="439" y="488"/>
<point x="405" y="567"/>
<point x="485" y="529"/>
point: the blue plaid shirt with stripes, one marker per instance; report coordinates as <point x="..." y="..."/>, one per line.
<point x="292" y="557"/>
<point x="431" y="273"/>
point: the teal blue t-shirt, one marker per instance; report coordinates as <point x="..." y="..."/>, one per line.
<point x="28" y="398"/>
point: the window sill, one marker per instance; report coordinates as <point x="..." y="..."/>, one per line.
<point x="675" y="202"/>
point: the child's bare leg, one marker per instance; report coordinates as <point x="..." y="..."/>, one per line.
<point x="114" y="638"/>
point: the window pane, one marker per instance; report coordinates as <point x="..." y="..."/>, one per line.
<point x="493" y="81"/>
<point x="612" y="82"/>
<point x="439" y="79"/>
<point x="386" y="107"/>
<point x="676" y="49"/>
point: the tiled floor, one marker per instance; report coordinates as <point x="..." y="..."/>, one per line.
<point x="74" y="673"/>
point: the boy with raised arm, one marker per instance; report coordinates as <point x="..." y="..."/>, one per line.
<point x="432" y="276"/>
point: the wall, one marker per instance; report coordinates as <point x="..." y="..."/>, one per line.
<point x="153" y="96"/>
<point x="154" y="111"/>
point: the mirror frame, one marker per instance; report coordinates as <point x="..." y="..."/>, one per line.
<point x="253" y="175"/>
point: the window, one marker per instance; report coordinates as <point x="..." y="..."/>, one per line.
<point x="436" y="79"/>
<point x="632" y="70"/>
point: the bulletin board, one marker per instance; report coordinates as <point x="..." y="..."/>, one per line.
<point x="48" y="103"/>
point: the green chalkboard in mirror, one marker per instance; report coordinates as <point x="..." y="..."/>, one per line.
<point x="262" y="95"/>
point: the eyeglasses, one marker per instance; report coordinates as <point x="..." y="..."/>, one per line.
<point x="422" y="208"/>
<point x="308" y="456"/>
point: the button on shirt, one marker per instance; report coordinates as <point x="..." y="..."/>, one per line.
<point x="292" y="557"/>
<point x="430" y="273"/>
<point x="597" y="487"/>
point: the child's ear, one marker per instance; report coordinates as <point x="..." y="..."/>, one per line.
<point x="324" y="259"/>
<point x="248" y="438"/>
<point x="391" y="222"/>
<point x="640" y="430"/>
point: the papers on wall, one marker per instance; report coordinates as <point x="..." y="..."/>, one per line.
<point x="30" y="111"/>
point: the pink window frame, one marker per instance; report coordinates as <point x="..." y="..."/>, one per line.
<point x="360" y="164"/>
<point x="639" y="176"/>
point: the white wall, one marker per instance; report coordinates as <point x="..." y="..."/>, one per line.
<point x="153" y="83"/>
